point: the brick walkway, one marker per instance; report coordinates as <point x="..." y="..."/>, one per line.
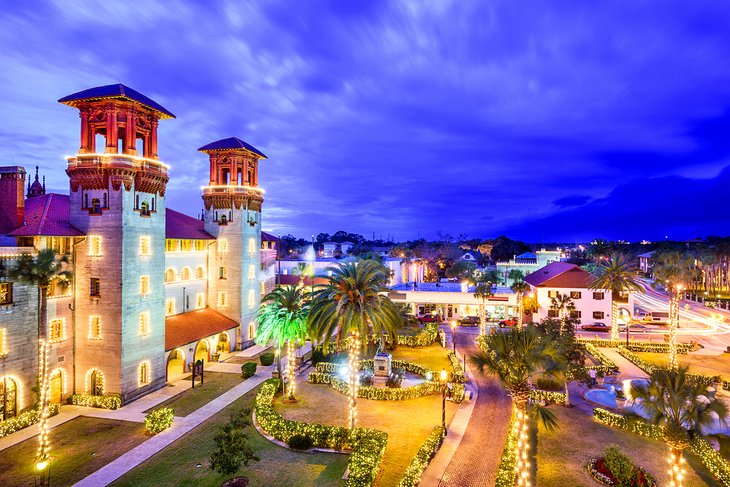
<point x="477" y="458"/>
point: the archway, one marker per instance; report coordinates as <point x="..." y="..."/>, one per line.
<point x="95" y="382"/>
<point x="224" y="343"/>
<point x="624" y="315"/>
<point x="56" y="395"/>
<point x="175" y="363"/>
<point x="8" y="398"/>
<point x="202" y="351"/>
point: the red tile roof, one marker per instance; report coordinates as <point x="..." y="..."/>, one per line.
<point x="560" y="275"/>
<point x="192" y="326"/>
<point x="48" y="215"/>
<point x="180" y="225"/>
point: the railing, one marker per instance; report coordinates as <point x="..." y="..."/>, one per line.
<point x="232" y="190"/>
<point x="97" y="160"/>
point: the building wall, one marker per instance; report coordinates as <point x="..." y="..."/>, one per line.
<point x="184" y="293"/>
<point x="585" y="304"/>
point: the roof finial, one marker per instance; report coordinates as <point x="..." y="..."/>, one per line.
<point x="36" y="173"/>
<point x="44" y="183"/>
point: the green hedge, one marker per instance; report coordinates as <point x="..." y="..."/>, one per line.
<point x="547" y="396"/>
<point x="158" y="420"/>
<point x="377" y="393"/>
<point x="248" y="370"/>
<point x="422" y="339"/>
<point x="267" y="359"/>
<point x="636" y="345"/>
<point x="367" y="445"/>
<point x="418" y="465"/>
<point x="711" y="459"/>
<point x="113" y="401"/>
<point x="506" y="470"/>
<point x="649" y="368"/>
<point x="458" y="375"/>
<point x="25" y="419"/>
<point x="633" y="425"/>
<point x="413" y="367"/>
<point x="607" y="365"/>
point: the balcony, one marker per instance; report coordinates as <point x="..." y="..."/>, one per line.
<point x="231" y="190"/>
<point x="83" y="161"/>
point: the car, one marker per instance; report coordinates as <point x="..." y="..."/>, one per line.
<point x="511" y="321"/>
<point x="429" y="319"/>
<point x="469" y="320"/>
<point x="598" y="326"/>
<point x="638" y="328"/>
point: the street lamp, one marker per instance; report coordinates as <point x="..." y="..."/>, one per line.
<point x="453" y="334"/>
<point x="444" y="376"/>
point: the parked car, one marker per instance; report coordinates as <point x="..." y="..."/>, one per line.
<point x="638" y="328"/>
<point x="429" y="318"/>
<point x="511" y="321"/>
<point x="469" y="320"/>
<point x="598" y="326"/>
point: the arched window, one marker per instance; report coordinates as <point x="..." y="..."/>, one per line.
<point x="8" y="398"/>
<point x="170" y="275"/>
<point x="224" y="220"/>
<point x="144" y="373"/>
<point x="95" y="382"/>
<point x="144" y="209"/>
<point x="185" y="274"/>
<point x="200" y="273"/>
<point x="95" y="206"/>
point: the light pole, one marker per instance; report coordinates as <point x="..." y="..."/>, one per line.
<point x="453" y="334"/>
<point x="444" y="376"/>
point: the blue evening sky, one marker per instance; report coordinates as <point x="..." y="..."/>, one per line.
<point x="542" y="120"/>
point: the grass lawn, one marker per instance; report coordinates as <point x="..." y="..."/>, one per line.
<point x="216" y="383"/>
<point x="407" y="423"/>
<point x="699" y="364"/>
<point x="176" y="464"/>
<point x="78" y="448"/>
<point x="432" y="356"/>
<point x="563" y="454"/>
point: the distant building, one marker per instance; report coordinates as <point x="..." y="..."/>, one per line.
<point x="528" y="262"/>
<point x="645" y="260"/>
<point x="329" y="249"/>
<point x="345" y="247"/>
<point x="469" y="257"/>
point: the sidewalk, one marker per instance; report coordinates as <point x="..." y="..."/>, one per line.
<point x="626" y="368"/>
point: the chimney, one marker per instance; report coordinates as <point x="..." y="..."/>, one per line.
<point x="12" y="198"/>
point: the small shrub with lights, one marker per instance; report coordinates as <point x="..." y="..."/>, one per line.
<point x="25" y="419"/>
<point x="458" y="375"/>
<point x="547" y="397"/>
<point x="112" y="401"/>
<point x="414" y="472"/>
<point x="158" y="420"/>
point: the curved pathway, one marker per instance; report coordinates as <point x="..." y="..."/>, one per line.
<point x="477" y="457"/>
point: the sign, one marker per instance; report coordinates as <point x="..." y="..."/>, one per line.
<point x="198" y="372"/>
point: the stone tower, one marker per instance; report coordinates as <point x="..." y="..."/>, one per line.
<point x="118" y="200"/>
<point x="232" y="214"/>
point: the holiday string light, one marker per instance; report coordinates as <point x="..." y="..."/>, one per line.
<point x="353" y="367"/>
<point x="291" y="383"/>
<point x="522" y="466"/>
<point x="42" y="457"/>
<point x="676" y="469"/>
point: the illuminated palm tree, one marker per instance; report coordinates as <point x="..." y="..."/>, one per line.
<point x="353" y="305"/>
<point x="599" y="249"/>
<point x="616" y="275"/>
<point x="520" y="287"/>
<point x="43" y="270"/>
<point x="284" y="319"/>
<point x="483" y="291"/>
<point x="517" y="358"/>
<point x="682" y="407"/>
<point x="564" y="305"/>
<point x="673" y="271"/>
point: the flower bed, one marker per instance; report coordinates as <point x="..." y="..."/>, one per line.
<point x="607" y="365"/>
<point x="367" y="445"/>
<point x="506" y="469"/>
<point x="158" y="420"/>
<point x="458" y="375"/>
<point x="636" y="345"/>
<point x="418" y="465"/>
<point x="600" y="471"/>
<point x="104" y="402"/>
<point x="648" y="368"/>
<point x="25" y="419"/>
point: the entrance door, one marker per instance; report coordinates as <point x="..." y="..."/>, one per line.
<point x="8" y="399"/>
<point x="56" y="387"/>
<point x="96" y="383"/>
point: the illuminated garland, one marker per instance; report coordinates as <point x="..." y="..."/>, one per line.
<point x="522" y="460"/>
<point x="607" y="365"/>
<point x="352" y="363"/>
<point x="649" y="368"/>
<point x="506" y="470"/>
<point x="43" y="455"/>
<point x="291" y="385"/>
<point x="103" y="402"/>
<point x="367" y="445"/>
<point x="458" y="375"/>
<point x="636" y="345"/>
<point x="378" y="393"/>
<point x="158" y="420"/>
<point x="423" y="338"/>
<point x="538" y="395"/>
<point x="414" y="472"/>
<point x="25" y="419"/>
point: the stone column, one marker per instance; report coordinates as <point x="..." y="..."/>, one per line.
<point x="84" y="114"/>
<point x="131" y="133"/>
<point x="112" y="134"/>
<point x="153" y="139"/>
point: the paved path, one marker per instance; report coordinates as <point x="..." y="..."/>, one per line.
<point x="627" y="369"/>
<point x="480" y="450"/>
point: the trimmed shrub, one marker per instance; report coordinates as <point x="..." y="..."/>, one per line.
<point x="158" y="420"/>
<point x="418" y="465"/>
<point x="25" y="419"/>
<point x="248" y="370"/>
<point x="300" y="442"/>
<point x="113" y="401"/>
<point x="549" y="384"/>
<point x="266" y="359"/>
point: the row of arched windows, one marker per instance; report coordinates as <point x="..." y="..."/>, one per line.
<point x="186" y="274"/>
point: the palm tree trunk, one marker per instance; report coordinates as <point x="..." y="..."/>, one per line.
<point x="673" y="323"/>
<point x="291" y="378"/>
<point x="614" y="318"/>
<point x="522" y="452"/>
<point x="567" y="393"/>
<point x="483" y="318"/>
<point x="519" y="310"/>
<point x="278" y="361"/>
<point x="353" y="349"/>
<point x="676" y="469"/>
<point x="43" y="446"/>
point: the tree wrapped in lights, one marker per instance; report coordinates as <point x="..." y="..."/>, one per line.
<point x="564" y="305"/>
<point x="516" y="358"/>
<point x="682" y="408"/>
<point x="43" y="270"/>
<point x="673" y="271"/>
<point x="284" y="319"/>
<point x="618" y="275"/>
<point x="520" y="287"/>
<point x="350" y="306"/>
<point x="483" y="291"/>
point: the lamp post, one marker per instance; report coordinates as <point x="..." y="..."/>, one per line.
<point x="453" y="334"/>
<point x="444" y="376"/>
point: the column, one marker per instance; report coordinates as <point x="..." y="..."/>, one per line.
<point x="111" y="131"/>
<point x="131" y="133"/>
<point x="84" y="114"/>
<point x="234" y="166"/>
<point x="255" y="172"/>
<point x="153" y="139"/>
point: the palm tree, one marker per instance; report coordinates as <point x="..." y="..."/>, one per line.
<point x="284" y="319"/>
<point x="616" y="275"/>
<point x="673" y="271"/>
<point x="516" y="358"/>
<point x="350" y="306"/>
<point x="681" y="406"/>
<point x="43" y="270"/>
<point x="483" y="291"/>
<point x="563" y="303"/>
<point x="599" y="249"/>
<point x="520" y="287"/>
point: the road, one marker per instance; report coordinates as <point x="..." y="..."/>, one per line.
<point x="477" y="458"/>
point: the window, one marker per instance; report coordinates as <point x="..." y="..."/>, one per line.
<point x="95" y="207"/>
<point x="144" y="285"/>
<point x="222" y="299"/>
<point x="145" y="246"/>
<point x="95" y="327"/>
<point x="171" y="245"/>
<point x="3" y="342"/>
<point x="144" y="323"/>
<point x="95" y="245"/>
<point x="144" y="373"/>
<point x="6" y="293"/>
<point x="598" y="315"/>
<point x="200" y="301"/>
<point x="222" y="272"/>
<point x="57" y="330"/>
<point x="553" y="313"/>
<point x="224" y="220"/>
<point x="200" y="245"/>
<point x="170" y="307"/>
<point x="552" y="294"/>
<point x="575" y="294"/>
<point x="95" y="382"/>
<point x="575" y="314"/>
<point x="170" y="275"/>
<point x="251" y="272"/>
<point x="8" y="398"/>
<point x="251" y="246"/>
<point x="144" y="209"/>
<point x="598" y="296"/>
<point x="95" y="287"/>
<point x="185" y="274"/>
<point x="251" y="331"/>
<point x="200" y="272"/>
<point x="251" y="299"/>
<point x="186" y="245"/>
<point x="222" y="246"/>
<point x="262" y="286"/>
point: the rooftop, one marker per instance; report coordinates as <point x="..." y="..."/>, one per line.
<point x="47" y="215"/>
<point x="118" y="92"/>
<point x="192" y="326"/>
<point x="180" y="225"/>
<point x="446" y="287"/>
<point x="232" y="143"/>
<point x="560" y="275"/>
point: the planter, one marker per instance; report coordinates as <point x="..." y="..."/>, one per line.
<point x="215" y="357"/>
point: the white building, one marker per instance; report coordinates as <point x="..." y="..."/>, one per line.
<point x="528" y="262"/>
